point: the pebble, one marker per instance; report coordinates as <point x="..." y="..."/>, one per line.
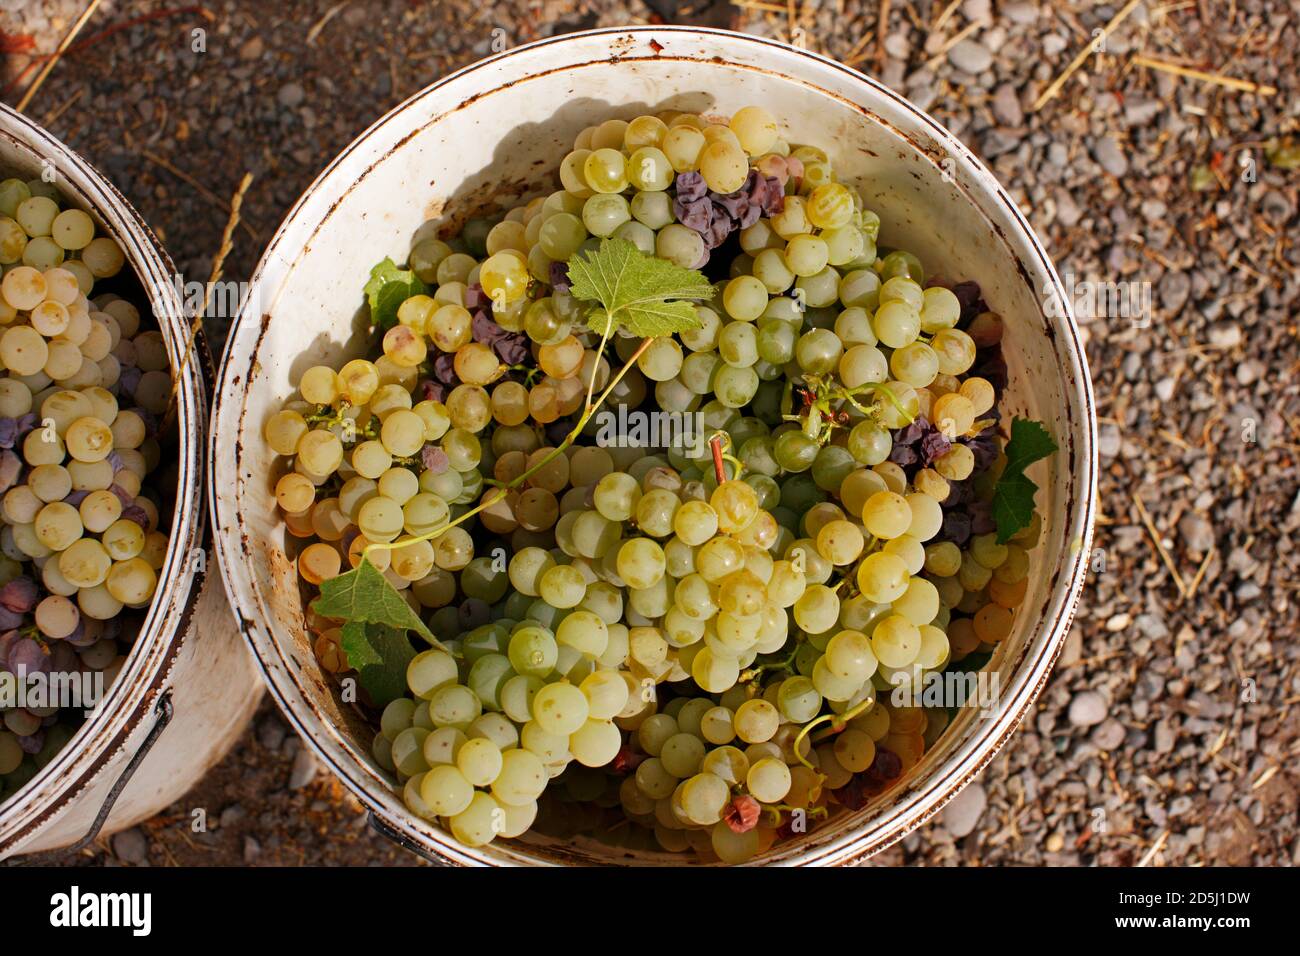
<point x="1165" y="388"/>
<point x="1108" y="441"/>
<point x="1068" y="212"/>
<point x="1225" y="335"/>
<point x="1106" y="151"/>
<point x="1087" y="708"/>
<point x="1198" y="534"/>
<point x="1142" y="112"/>
<point x="962" y="814"/>
<point x="1107" y="735"/>
<point x="270" y="733"/>
<point x="1165" y="737"/>
<point x="252" y="48"/>
<point x="130" y="846"/>
<point x="252" y="849"/>
<point x="1174" y="289"/>
<point x="1250" y="371"/>
<point x="232" y="815"/>
<point x="304" y="769"/>
<point x="1020" y="12"/>
<point x="897" y="46"/>
<point x="1006" y="106"/>
<point x="291" y="95"/>
<point x="1053" y="44"/>
<point x="970" y="56"/>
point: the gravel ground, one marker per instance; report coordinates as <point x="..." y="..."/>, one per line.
<point x="1169" y="732"/>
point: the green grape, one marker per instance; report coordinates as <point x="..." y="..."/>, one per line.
<point x="532" y="651"/>
<point x="899" y="263"/>
<point x="737" y="345"/>
<point x="595" y="743"/>
<point x="745" y="298"/>
<point x="896" y="641"/>
<point x="561" y="235"/>
<point x="818" y="351"/>
<point x="860" y="289"/>
<point x="831" y="466"/>
<point x="560" y="709"/>
<point x="648" y="168"/>
<point x="850" y="657"/>
<point x="662" y="360"/>
<point x="795" y="451"/>
<point x="652" y="209"/>
<point x="641" y="236"/>
<point x="714" y="673"/>
<point x="522" y="778"/>
<point x="817" y="609"/>
<point x="806" y="255"/>
<point x="869" y="443"/>
<point x="605" y="170"/>
<point x="604" y="213"/>
<point x="735" y="387"/>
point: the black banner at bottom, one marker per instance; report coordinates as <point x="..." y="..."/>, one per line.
<point x="335" y="906"/>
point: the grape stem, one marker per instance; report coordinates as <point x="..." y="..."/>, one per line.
<point x="589" y="410"/>
<point x="753" y="672"/>
<point x="839" y="722"/>
<point x="719" y="470"/>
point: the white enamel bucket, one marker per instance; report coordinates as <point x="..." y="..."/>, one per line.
<point x="495" y="131"/>
<point x="189" y="685"/>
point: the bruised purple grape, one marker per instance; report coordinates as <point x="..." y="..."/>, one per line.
<point x="19" y="595"/>
<point x="9" y="619"/>
<point x="690" y="186"/>
<point x="434" y="459"/>
<point x="956" y="528"/>
<point x="128" y="380"/>
<point x="934" y="445"/>
<point x="26" y="655"/>
<point x="476" y="298"/>
<point x="134" y="512"/>
<point x="512" y="348"/>
<point x="444" y="369"/>
<point x="32" y="743"/>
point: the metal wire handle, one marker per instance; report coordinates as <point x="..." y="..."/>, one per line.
<point x="381" y="827"/>
<point x="164" y="711"/>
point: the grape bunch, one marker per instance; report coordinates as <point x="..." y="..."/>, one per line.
<point x="718" y="642"/>
<point x="83" y="390"/>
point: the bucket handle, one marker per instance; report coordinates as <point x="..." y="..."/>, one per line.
<point x="164" y="711"/>
<point x="384" y="828"/>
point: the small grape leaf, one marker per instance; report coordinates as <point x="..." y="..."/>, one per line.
<point x="387" y="289"/>
<point x="1013" y="496"/>
<point x="379" y="654"/>
<point x="364" y="596"/>
<point x="633" y="290"/>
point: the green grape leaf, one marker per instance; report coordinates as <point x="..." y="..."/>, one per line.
<point x="379" y="654"/>
<point x="634" y="291"/>
<point x="387" y="289"/>
<point x="364" y="596"/>
<point x="1013" y="496"/>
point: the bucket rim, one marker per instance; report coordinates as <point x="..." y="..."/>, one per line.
<point x="1030" y="672"/>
